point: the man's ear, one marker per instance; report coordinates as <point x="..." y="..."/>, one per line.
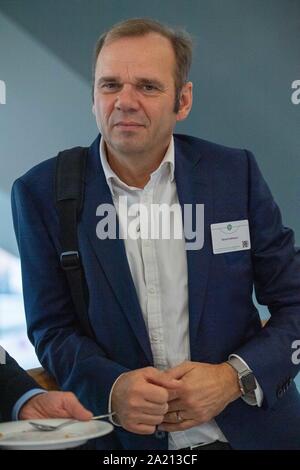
<point x="185" y="101"/>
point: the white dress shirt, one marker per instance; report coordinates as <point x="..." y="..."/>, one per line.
<point x="159" y="271"/>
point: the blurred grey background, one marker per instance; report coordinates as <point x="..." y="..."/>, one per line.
<point x="246" y="58"/>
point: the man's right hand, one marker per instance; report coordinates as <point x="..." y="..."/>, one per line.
<point x="140" y="404"/>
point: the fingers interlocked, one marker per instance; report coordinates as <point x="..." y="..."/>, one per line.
<point x="174" y="417"/>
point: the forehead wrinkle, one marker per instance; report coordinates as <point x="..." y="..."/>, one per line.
<point x="116" y="66"/>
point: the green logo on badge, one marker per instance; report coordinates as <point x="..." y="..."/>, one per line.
<point x="229" y="227"/>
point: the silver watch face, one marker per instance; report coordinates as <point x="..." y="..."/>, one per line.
<point x="248" y="382"/>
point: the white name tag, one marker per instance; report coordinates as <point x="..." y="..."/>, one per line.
<point x="230" y="236"/>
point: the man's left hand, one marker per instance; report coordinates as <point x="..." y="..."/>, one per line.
<point x="203" y="392"/>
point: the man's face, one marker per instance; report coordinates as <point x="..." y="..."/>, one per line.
<point x="134" y="95"/>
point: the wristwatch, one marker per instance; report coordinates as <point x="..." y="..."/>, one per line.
<point x="246" y="377"/>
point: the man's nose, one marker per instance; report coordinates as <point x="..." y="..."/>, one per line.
<point x="127" y="99"/>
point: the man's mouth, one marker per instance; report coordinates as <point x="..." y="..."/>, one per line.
<point x="128" y="124"/>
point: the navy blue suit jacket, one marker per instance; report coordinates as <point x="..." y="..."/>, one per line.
<point x="222" y="316"/>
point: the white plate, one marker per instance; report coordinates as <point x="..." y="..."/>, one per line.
<point x="21" y="435"/>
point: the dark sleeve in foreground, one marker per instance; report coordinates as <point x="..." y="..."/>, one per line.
<point x="14" y="382"/>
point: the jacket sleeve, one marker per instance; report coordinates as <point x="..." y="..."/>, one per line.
<point x="77" y="362"/>
<point x="276" y="267"/>
<point x="14" y="382"/>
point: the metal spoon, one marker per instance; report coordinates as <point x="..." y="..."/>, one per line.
<point x="51" y="427"/>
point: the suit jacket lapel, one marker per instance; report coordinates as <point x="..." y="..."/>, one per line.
<point x="111" y="254"/>
<point x="194" y="186"/>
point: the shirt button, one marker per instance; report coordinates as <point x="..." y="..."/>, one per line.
<point x="151" y="290"/>
<point x="154" y="338"/>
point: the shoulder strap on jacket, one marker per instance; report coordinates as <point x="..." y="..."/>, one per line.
<point x="69" y="195"/>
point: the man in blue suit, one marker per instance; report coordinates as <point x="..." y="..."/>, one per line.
<point x="178" y="350"/>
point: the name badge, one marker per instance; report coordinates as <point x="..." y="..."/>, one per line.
<point x="230" y="236"/>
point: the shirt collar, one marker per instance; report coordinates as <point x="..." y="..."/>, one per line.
<point x="110" y="175"/>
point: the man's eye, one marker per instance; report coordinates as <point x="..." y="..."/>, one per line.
<point x="110" y="86"/>
<point x="149" y="88"/>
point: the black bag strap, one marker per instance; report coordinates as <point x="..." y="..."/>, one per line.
<point x="69" y="196"/>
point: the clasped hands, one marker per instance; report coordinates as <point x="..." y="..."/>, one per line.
<point x="177" y="399"/>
